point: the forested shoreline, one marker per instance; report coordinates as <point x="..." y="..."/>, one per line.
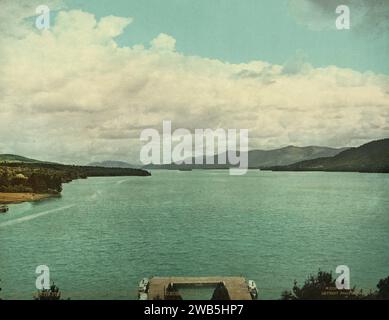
<point x="48" y="178"/>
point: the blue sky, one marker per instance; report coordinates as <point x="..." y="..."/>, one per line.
<point x="241" y="31"/>
<point x="103" y="71"/>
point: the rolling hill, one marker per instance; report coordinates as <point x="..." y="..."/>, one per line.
<point x="11" y="158"/>
<point x="264" y="158"/>
<point x="370" y="157"/>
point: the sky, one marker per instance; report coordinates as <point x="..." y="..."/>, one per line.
<point x="240" y="31"/>
<point x="84" y="89"/>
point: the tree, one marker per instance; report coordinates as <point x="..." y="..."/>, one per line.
<point x="37" y="182"/>
<point x="383" y="289"/>
<point x="319" y="287"/>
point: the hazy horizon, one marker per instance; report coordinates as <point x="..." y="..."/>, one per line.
<point x="138" y="163"/>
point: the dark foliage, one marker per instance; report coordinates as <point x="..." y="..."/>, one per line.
<point x="48" y="178"/>
<point x="322" y="287"/>
<point x="383" y="289"/>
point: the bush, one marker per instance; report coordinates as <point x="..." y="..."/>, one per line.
<point x="319" y="287"/>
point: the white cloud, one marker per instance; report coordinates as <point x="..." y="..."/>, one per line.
<point x="72" y="94"/>
<point x="163" y="42"/>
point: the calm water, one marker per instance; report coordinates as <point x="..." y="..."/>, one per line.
<point x="269" y="227"/>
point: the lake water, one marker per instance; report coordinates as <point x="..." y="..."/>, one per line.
<point x="105" y="234"/>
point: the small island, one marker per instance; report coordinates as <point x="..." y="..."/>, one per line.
<point x="23" y="179"/>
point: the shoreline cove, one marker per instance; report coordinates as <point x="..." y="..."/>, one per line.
<point x="15" y="198"/>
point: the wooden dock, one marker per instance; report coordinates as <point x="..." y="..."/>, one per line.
<point x="236" y="286"/>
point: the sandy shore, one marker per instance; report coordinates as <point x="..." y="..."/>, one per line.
<point x="8" y="198"/>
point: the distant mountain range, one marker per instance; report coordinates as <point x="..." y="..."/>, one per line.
<point x="112" y="164"/>
<point x="263" y="158"/>
<point x="289" y="155"/>
<point x="370" y="157"/>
